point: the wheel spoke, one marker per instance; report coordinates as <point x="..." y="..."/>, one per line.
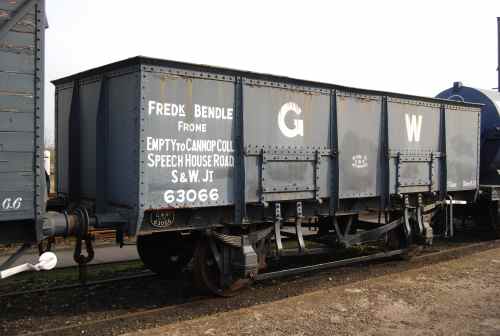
<point x="209" y="274"/>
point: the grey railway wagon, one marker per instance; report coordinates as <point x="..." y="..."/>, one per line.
<point x="144" y="134"/>
<point x="22" y="179"/>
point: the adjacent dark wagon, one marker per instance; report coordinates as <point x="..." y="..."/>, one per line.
<point x="22" y="176"/>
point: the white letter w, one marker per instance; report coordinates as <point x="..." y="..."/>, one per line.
<point x="413" y="127"/>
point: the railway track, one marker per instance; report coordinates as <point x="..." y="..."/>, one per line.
<point x="194" y="304"/>
<point x="144" y="274"/>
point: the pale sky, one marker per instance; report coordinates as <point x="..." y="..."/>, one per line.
<point x="418" y="47"/>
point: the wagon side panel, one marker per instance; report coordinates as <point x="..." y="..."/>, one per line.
<point x="462" y="145"/>
<point x="287" y="142"/>
<point x="414" y="145"/>
<point x="122" y="154"/>
<point x="63" y="97"/>
<point x="360" y="130"/>
<point x="89" y="92"/>
<point x="188" y="154"/>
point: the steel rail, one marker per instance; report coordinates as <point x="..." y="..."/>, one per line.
<point x="144" y="274"/>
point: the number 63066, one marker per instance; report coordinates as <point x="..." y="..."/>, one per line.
<point x="190" y="195"/>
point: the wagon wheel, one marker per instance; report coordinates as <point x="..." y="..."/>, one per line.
<point x="486" y="216"/>
<point x="396" y="239"/>
<point x="207" y="273"/>
<point x="493" y="218"/>
<point x="165" y="254"/>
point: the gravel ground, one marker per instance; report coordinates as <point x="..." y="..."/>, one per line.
<point x="147" y="303"/>
<point x="457" y="297"/>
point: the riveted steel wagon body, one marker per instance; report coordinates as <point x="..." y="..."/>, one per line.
<point x="151" y="136"/>
<point x="209" y="160"/>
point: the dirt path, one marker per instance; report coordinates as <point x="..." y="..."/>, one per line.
<point x="458" y="297"/>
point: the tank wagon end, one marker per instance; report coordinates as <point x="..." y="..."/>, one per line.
<point x="489" y="193"/>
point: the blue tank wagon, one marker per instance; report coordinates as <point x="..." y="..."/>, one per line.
<point x="487" y="205"/>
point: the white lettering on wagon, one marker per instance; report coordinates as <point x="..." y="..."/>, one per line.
<point x="359" y="161"/>
<point x="12" y="203"/>
<point x="413" y="127"/>
<point x="213" y="112"/>
<point x="469" y="183"/>
<point x="298" y="128"/>
<point x="191" y="153"/>
<point x="166" y="109"/>
<point x="190" y="195"/>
